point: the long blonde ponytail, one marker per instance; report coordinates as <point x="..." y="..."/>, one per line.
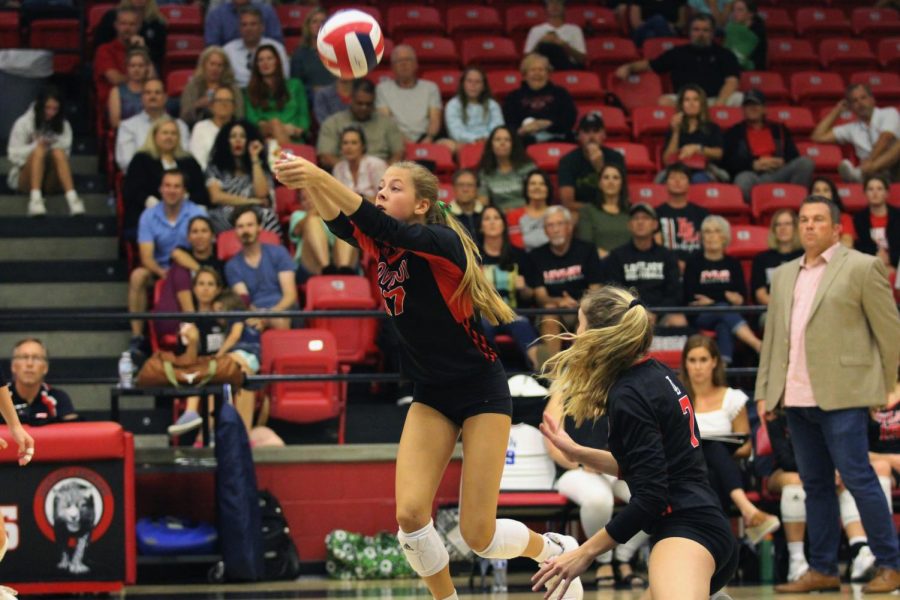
<point x="618" y="333"/>
<point x="474" y="285"/>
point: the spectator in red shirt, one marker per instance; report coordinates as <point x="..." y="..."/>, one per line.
<point x="878" y="225"/>
<point x="109" y="61"/>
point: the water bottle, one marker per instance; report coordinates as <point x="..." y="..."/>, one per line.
<point x="126" y="371"/>
<point x="766" y="561"/>
<point x="499" y="567"/>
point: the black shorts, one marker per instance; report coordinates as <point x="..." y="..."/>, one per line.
<point x="486" y="392"/>
<point x="708" y="527"/>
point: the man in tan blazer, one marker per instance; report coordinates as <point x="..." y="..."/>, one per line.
<point x="830" y="352"/>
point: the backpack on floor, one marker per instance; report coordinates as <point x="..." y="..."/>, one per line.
<point x="280" y="557"/>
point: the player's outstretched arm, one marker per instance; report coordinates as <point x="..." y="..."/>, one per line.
<point x="329" y="195"/>
<point x="592" y="458"/>
<point x="19" y="435"/>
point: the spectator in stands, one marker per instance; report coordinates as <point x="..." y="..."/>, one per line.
<point x="878" y="225"/>
<point x="109" y="59"/>
<point x="203" y="136"/>
<point x="712" y="278"/>
<point x="563" y="269"/>
<point x="162" y="151"/>
<point x="125" y="99"/>
<point x="331" y="99"/>
<point x="595" y="494"/>
<point x="305" y="62"/>
<point x="382" y="134"/>
<point x="472" y="113"/>
<point x="506" y="266"/>
<point x="152" y="28"/>
<point x="784" y="246"/>
<point x="502" y="169"/>
<point x="36" y="402"/>
<point x="241" y="52"/>
<point x="213" y="72"/>
<point x="656" y="18"/>
<point x="133" y="132"/>
<point x="680" y="220"/>
<point x="38" y="151"/>
<point x="415" y="104"/>
<point x="223" y="23"/>
<point x="318" y="251"/>
<point x="763" y="151"/>
<point x="540" y="110"/>
<point x="238" y="175"/>
<point x="465" y="204"/>
<point x="162" y="228"/>
<point x="722" y="411"/>
<point x="822" y="186"/>
<point x="701" y="62"/>
<point x="875" y="135"/>
<point x="693" y="139"/>
<point x="719" y="10"/>
<point x="562" y="43"/>
<point x="745" y="35"/>
<point x="646" y="266"/>
<point x="358" y="170"/>
<point x="605" y="225"/>
<point x="527" y="222"/>
<point x="261" y="274"/>
<point x="275" y="104"/>
<point x="579" y="170"/>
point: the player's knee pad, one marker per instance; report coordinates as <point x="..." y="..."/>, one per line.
<point x="424" y="550"/>
<point x="793" y="504"/>
<point x="849" y="511"/>
<point x="885" y="483"/>
<point x="510" y="540"/>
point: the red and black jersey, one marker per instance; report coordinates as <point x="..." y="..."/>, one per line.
<point x="419" y="269"/>
<point x="655" y="439"/>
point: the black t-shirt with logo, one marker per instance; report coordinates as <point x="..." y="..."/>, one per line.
<point x="680" y="228"/>
<point x="653" y="273"/>
<point x="571" y="272"/>
<point x="765" y="263"/>
<point x="712" y="278"/>
<point x="50" y="405"/>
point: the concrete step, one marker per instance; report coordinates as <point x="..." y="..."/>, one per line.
<point x="53" y="226"/>
<point x="75" y="271"/>
<point x="15" y="205"/>
<point x="76" y="371"/>
<point x="74" y="319"/>
<point x="89" y="397"/>
<point x="75" y="344"/>
<point x="63" y="295"/>
<point x="59" y="249"/>
<point x="82" y="164"/>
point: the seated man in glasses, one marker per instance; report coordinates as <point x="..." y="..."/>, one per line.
<point x="36" y="402"/>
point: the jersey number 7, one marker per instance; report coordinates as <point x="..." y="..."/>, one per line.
<point x="687" y="409"/>
<point x="393" y="300"/>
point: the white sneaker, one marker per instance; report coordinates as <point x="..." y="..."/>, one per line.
<point x="863" y="567"/>
<point x="797" y="569"/>
<point x="76" y="206"/>
<point x="7" y="593"/>
<point x="36" y="207"/>
<point x="848" y="172"/>
<point x="566" y="543"/>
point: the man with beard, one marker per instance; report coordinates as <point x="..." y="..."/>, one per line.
<point x="261" y="274"/>
<point x="701" y="62"/>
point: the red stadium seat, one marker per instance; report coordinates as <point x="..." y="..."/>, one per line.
<point x="766" y="198"/>
<point x="787" y="55"/>
<point x="769" y="83"/>
<point x="867" y="21"/>
<point x="292" y="42"/>
<point x="721" y="199"/>
<point x="547" y="156"/>
<point x="747" y="241"/>
<point x="302" y="150"/>
<point x="372" y="11"/>
<point x="228" y="244"/>
<point x="447" y="81"/>
<point x="797" y="119"/>
<point x="885" y="86"/>
<point x="503" y="81"/>
<point x="286" y="202"/>
<point x="606" y="54"/>
<point x="445" y="192"/>
<point x="434" y="52"/>
<point x="414" y="19"/>
<point x="852" y="197"/>
<point x="726" y="117"/>
<point x="889" y="53"/>
<point x="521" y="18"/>
<point x="816" y="88"/>
<point x="182" y="51"/>
<point x="642" y="89"/>
<point x="471" y="19"/>
<point x="439" y="154"/>
<point x="310" y="352"/>
<point x="594" y="20"/>
<point x="653" y="194"/>
<point x="778" y="21"/>
<point x="844" y="55"/>
<point x="651" y="124"/>
<point x="817" y="23"/>
<point x="183" y="18"/>
<point x="670" y="358"/>
<point x="94" y="15"/>
<point x="826" y="156"/>
<point x="845" y="116"/>
<point x="490" y="52"/>
<point x="470" y="155"/>
<point x="653" y="47"/>
<point x="382" y="73"/>
<point x="637" y="160"/>
<point x="292" y="17"/>
<point x="10" y="35"/>
<point x="613" y="119"/>
<point x="177" y="80"/>
<point x="894" y="196"/>
<point x="582" y="85"/>
<point x="355" y="336"/>
<point x="55" y="34"/>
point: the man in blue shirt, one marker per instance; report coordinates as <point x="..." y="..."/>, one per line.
<point x="161" y="229"/>
<point x="222" y="22"/>
<point x="261" y="274"/>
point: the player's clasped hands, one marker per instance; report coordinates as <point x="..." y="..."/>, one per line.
<point x="295" y="172"/>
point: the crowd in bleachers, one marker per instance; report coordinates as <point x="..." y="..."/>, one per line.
<point x="661" y="145"/>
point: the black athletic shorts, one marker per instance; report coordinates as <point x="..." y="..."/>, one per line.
<point x="708" y="527"/>
<point x="487" y="392"/>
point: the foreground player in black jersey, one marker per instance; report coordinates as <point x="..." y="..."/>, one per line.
<point x="26" y="453"/>
<point x="654" y="446"/>
<point x="436" y="294"/>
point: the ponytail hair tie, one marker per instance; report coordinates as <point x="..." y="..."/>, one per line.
<point x="634" y="303"/>
<point x="445" y="208"/>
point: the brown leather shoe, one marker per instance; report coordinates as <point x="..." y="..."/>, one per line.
<point x="885" y="581"/>
<point x="812" y="581"/>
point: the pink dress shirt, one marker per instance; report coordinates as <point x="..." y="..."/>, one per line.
<point x="798" y="391"/>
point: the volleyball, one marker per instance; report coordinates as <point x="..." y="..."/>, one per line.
<point x="350" y="44"/>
